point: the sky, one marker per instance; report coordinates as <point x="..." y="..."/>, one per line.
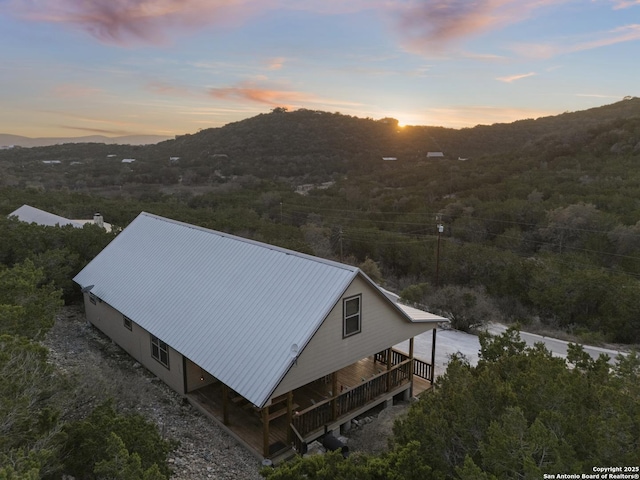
<point x="169" y="67"/>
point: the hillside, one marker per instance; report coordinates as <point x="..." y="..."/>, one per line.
<point x="541" y="223"/>
<point x="7" y="140"/>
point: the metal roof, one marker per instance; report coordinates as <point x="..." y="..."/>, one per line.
<point x="29" y="214"/>
<point x="233" y="306"/>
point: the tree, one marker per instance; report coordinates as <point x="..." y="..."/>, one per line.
<point x="29" y="430"/>
<point x="84" y="447"/>
<point x="466" y="308"/>
<point x="27" y="306"/>
<point x="522" y="413"/>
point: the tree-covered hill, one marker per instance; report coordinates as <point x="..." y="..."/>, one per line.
<point x="540" y="224"/>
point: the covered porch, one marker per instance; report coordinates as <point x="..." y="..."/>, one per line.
<point x="308" y="412"/>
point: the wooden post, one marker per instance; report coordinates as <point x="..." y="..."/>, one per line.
<point x="265" y="431"/>
<point x="225" y="404"/>
<point x="289" y="416"/>
<point x="433" y="356"/>
<point x="411" y="365"/>
<point x="334" y="395"/>
<point x="388" y="369"/>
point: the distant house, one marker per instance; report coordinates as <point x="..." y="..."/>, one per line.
<point x="174" y="159"/>
<point x="51" y="162"/>
<point x="435" y="155"/>
<point x="29" y="214"/>
<point x="128" y="160"/>
<point x="276" y="346"/>
<point x="111" y="155"/>
<point x="390" y="159"/>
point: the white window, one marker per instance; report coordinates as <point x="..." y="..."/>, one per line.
<point x="352" y="323"/>
<point x="160" y="351"/>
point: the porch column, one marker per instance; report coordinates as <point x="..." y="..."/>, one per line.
<point x="389" y="369"/>
<point x="225" y="404"/>
<point x="265" y="431"/>
<point x="289" y="416"/>
<point x="334" y="395"/>
<point x="411" y="365"/>
<point x="433" y="356"/>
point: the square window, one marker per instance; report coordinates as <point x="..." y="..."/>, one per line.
<point x="352" y="318"/>
<point x="128" y="324"/>
<point x="160" y="351"/>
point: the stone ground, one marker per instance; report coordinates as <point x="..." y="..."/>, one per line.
<point x="102" y="370"/>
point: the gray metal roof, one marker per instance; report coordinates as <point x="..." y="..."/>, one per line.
<point x="233" y="306"/>
<point x="29" y="214"/>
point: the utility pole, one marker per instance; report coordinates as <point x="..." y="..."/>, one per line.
<point x="440" y="229"/>
<point x="340" y="240"/>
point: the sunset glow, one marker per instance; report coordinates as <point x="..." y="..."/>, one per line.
<point x="175" y="66"/>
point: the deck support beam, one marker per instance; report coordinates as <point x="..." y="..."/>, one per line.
<point x="433" y="356"/>
<point x="265" y="431"/>
<point x="225" y="404"/>
<point x="289" y="416"/>
<point x="411" y="366"/>
<point x="334" y="395"/>
<point x="389" y="363"/>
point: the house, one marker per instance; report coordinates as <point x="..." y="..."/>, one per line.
<point x="390" y="159"/>
<point x="435" y="155"/>
<point x="277" y="346"/>
<point x="128" y="160"/>
<point x="29" y="214"/>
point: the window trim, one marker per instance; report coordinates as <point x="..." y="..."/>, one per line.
<point x="161" y="347"/>
<point x="127" y="322"/>
<point x="345" y="318"/>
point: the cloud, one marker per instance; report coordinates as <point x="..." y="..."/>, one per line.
<point x="126" y="22"/>
<point x="513" y="78"/>
<point x="69" y="90"/>
<point x="436" y="23"/>
<point x="619" y="4"/>
<point x="101" y="131"/>
<point x="275" y="63"/>
<point x="163" y="88"/>
<point x="276" y="97"/>
<point x="253" y="93"/>
<point x="627" y="33"/>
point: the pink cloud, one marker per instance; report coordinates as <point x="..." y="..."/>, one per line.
<point x="125" y="22"/>
<point x="268" y="96"/>
<point x="627" y="33"/>
<point x="436" y="23"/>
<point x="618" y="4"/>
<point x="513" y="78"/>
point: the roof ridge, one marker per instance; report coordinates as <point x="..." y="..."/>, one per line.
<point x="256" y="243"/>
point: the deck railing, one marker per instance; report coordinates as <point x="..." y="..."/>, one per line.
<point x="423" y="369"/>
<point x="298" y="441"/>
<point x="317" y="416"/>
<point x="396" y="357"/>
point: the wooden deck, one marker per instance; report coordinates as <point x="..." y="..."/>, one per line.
<point x="245" y="421"/>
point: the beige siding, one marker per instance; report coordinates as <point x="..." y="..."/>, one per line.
<point x="136" y="342"/>
<point x="382" y="327"/>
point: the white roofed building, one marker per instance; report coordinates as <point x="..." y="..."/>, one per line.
<point x="277" y="346"/>
<point x="29" y="214"/>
